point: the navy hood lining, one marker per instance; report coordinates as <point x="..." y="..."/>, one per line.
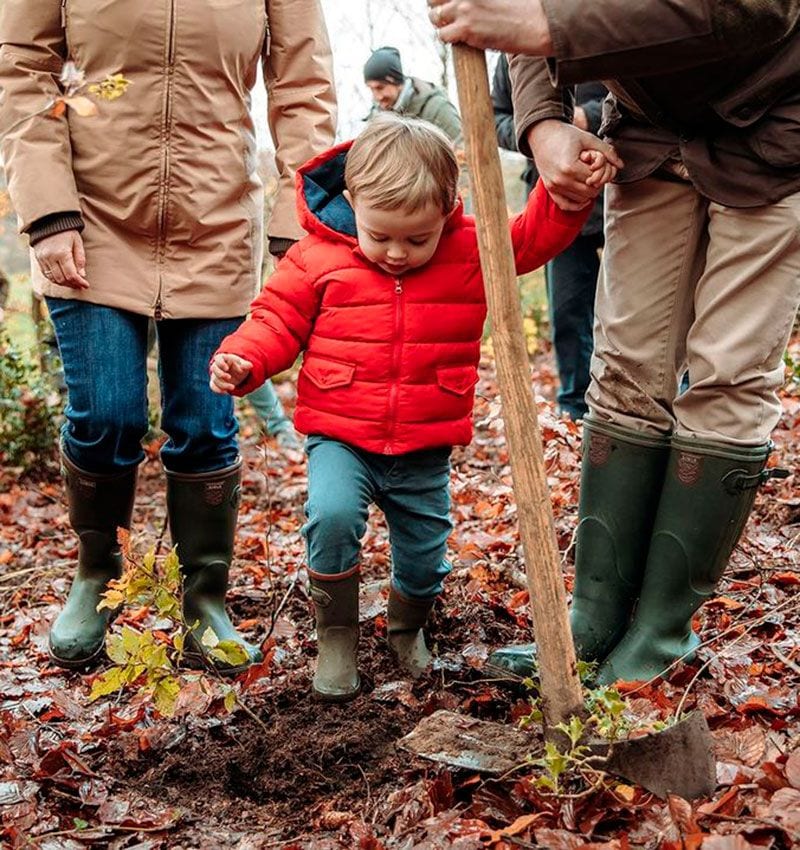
<point x="323" y="189"/>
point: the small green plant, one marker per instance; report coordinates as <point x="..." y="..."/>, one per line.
<point x="605" y="719"/>
<point x="793" y="365"/>
<point x="149" y="661"/>
<point x="28" y="409"/>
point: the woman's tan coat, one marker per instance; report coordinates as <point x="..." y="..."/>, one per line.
<point x="165" y="176"/>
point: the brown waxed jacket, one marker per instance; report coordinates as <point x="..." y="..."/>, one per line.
<point x="715" y="83"/>
<point x="165" y="176"/>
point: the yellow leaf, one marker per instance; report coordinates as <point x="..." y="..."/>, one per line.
<point x="82" y="105"/>
<point x="209" y="638"/>
<point x="625" y="792"/>
<point x="106" y="683"/>
<point x="112" y="599"/>
<point x="165" y="693"/>
<point x="178" y="641"/>
<point x="230" y="700"/>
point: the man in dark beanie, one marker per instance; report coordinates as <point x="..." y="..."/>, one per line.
<point x="393" y="90"/>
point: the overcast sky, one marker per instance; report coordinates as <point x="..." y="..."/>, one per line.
<point x="357" y="27"/>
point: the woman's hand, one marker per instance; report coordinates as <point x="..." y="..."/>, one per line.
<point x="62" y="259"/>
<point x="227" y="372"/>
<point x="557" y="149"/>
<point x="515" y="26"/>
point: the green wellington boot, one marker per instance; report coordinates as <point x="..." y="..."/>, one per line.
<point x="203" y="509"/>
<point x="335" y="597"/>
<point x="98" y="506"/>
<point x="622" y="473"/>
<point x="406" y="619"/>
<point x="707" y="497"/>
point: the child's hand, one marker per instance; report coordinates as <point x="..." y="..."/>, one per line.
<point x="602" y="170"/>
<point x="227" y="372"/>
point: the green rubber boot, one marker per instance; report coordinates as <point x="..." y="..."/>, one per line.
<point x="622" y="473"/>
<point x="335" y="598"/>
<point x="708" y="495"/>
<point x="203" y="509"/>
<point x="406" y="619"/>
<point x="98" y="506"/>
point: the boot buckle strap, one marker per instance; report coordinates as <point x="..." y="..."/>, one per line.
<point x="737" y="480"/>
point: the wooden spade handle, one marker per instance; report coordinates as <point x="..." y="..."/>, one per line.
<point x="561" y="688"/>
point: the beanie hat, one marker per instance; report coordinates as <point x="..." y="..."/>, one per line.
<point x="385" y="65"/>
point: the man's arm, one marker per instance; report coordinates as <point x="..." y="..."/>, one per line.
<point x="610" y="39"/>
<point x="298" y="70"/>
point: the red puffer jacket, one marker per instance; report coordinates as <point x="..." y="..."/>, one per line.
<point x="390" y="363"/>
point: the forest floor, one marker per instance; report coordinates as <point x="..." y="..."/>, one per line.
<point x="289" y="773"/>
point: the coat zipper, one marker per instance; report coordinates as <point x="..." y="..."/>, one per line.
<point x="166" y="132"/>
<point x="63" y="14"/>
<point x="397" y="339"/>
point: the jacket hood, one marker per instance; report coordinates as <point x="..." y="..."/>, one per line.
<point x="322" y="208"/>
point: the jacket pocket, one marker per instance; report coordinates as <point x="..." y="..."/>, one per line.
<point x="457" y="379"/>
<point x="327" y="374"/>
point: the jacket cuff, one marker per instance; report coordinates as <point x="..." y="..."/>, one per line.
<point x="50" y="225"/>
<point x="278" y="246"/>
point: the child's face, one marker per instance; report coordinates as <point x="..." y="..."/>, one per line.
<point x="398" y="240"/>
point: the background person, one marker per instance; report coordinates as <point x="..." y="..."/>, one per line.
<point x="393" y="91"/>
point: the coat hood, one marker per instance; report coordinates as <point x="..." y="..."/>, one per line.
<point x="321" y="205"/>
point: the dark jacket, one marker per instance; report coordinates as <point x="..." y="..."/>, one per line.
<point x="421" y="99"/>
<point x="589" y="96"/>
<point x="715" y="83"/>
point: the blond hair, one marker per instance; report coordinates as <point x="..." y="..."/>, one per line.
<point x="402" y="163"/>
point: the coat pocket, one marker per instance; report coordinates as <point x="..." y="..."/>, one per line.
<point x="457" y="379"/>
<point x="327" y="374"/>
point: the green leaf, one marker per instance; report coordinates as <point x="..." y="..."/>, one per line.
<point x="79" y="823"/>
<point x="172" y="570"/>
<point x="233" y="652"/>
<point x="114" y="649"/>
<point x="178" y="640"/>
<point x="209" y="638"/>
<point x="132" y="641"/>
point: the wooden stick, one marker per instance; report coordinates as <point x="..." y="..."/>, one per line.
<point x="561" y="688"/>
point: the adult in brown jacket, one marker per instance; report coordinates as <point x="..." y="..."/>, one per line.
<point x="152" y="209"/>
<point x="701" y="271"/>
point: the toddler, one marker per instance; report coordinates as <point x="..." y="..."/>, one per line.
<point x="385" y="298"/>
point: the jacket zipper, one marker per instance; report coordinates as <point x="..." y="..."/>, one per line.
<point x="63" y="14"/>
<point x="396" y="346"/>
<point x="267" y="37"/>
<point x="166" y="132"/>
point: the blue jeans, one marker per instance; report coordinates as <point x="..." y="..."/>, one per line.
<point x="571" y="287"/>
<point x="104" y="352"/>
<point x="412" y="490"/>
<point x="268" y="406"/>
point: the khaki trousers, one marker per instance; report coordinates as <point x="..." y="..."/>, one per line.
<point x="686" y="283"/>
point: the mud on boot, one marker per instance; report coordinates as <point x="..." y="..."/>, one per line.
<point x="335" y="597"/>
<point x="202" y="510"/>
<point x="98" y="506"/>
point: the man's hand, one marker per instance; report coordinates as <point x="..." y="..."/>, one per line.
<point x="557" y="149"/>
<point x="62" y="259"/>
<point x="227" y="372"/>
<point x="515" y="26"/>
